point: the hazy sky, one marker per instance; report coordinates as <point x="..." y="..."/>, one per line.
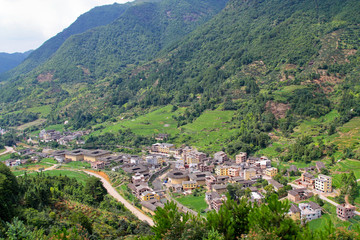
<point x="26" y="24"/>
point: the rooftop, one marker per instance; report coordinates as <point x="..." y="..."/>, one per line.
<point x="178" y="174"/>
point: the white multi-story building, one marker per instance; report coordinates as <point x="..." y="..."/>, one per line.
<point x="309" y="211"/>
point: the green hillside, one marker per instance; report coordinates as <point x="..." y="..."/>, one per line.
<point x="256" y="76"/>
<point x="98" y="16"/>
<point x="9" y="61"/>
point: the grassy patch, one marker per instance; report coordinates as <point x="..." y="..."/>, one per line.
<point x="49" y="160"/>
<point x="196" y="203"/>
<point x="43" y="110"/>
<point x="126" y="193"/>
<point x="5" y="157"/>
<point x="57" y="127"/>
<point x="349" y="135"/>
<point x="80" y="176"/>
<point x="18" y="173"/>
<point x="78" y="165"/>
<point x="31" y="124"/>
<point x="159" y="121"/>
<point x="329" y="214"/>
<point x="209" y="132"/>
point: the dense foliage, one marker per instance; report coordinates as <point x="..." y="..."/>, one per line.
<point x="240" y="220"/>
<point x="9" y="61"/>
<point x="58" y="206"/>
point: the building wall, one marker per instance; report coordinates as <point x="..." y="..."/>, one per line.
<point x="75" y="158"/>
<point x="222" y="171"/>
<point x="249" y="174"/>
<point x="94" y="159"/>
<point x="178" y="181"/>
<point x="271" y="172"/>
<point x="295" y="216"/>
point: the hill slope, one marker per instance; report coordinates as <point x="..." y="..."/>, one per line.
<point x="272" y="63"/>
<point x="98" y="16"/>
<point x="9" y="61"/>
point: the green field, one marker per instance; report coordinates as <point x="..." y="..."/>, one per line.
<point x="49" y="160"/>
<point x="159" y="121"/>
<point x="57" y="127"/>
<point x="209" y="132"/>
<point x="349" y="135"/>
<point x="283" y="94"/>
<point x="196" y="203"/>
<point x="329" y="214"/>
<point x="5" y="157"/>
<point x="43" y="110"/>
<point x="80" y="176"/>
<point x="77" y="165"/>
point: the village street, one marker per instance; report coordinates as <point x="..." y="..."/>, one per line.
<point x="8" y="150"/>
<point x="112" y="191"/>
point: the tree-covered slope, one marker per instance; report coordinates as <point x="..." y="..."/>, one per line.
<point x="259" y="40"/>
<point x="138" y="35"/>
<point x="11" y="60"/>
<point x="98" y="16"/>
<point x="272" y="62"/>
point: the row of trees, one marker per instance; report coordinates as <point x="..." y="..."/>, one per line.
<point x="59" y="207"/>
<point x="240" y="220"/>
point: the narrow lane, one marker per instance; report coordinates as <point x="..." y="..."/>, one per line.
<point x="8" y="150"/>
<point x="112" y="191"/>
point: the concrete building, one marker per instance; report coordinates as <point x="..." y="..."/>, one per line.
<point x="177" y="177"/>
<point x="189" y="185"/>
<point x="249" y="173"/>
<point x="149" y="195"/>
<point x="271" y="172"/>
<point x="310" y="211"/>
<point x="241" y="157"/>
<point x="221" y="157"/>
<point x="75" y="155"/>
<point x="222" y="170"/>
<point x="98" y="165"/>
<point x="345" y="211"/>
<point x="323" y="183"/>
<point x="299" y="194"/>
<point x="294" y="212"/>
<point x="95" y="155"/>
<point x="233" y="172"/>
<point x="138" y="179"/>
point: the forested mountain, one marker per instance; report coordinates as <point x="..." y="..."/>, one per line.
<point x="137" y="35"/>
<point x="272" y="62"/>
<point x="11" y="60"/>
<point x="98" y="16"/>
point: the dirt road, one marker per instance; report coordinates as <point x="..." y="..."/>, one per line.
<point x="8" y="150"/>
<point x="112" y="191"/>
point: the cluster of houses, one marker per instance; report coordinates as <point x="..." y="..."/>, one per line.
<point x="192" y="169"/>
<point x="305" y="211"/>
<point x="27" y="155"/>
<point x="62" y="138"/>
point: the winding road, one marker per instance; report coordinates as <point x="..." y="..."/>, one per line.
<point x="8" y="150"/>
<point x="112" y="191"/>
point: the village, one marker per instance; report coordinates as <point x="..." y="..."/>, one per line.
<point x="165" y="172"/>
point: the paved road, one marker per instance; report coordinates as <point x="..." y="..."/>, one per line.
<point x="8" y="150"/>
<point x="112" y="191"/>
